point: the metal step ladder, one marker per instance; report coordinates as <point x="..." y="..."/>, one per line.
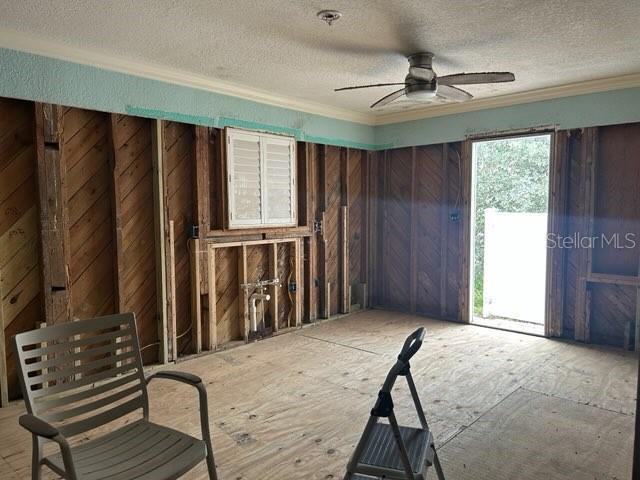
<point x="387" y="450"/>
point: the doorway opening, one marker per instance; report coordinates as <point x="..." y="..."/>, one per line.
<point x="510" y="203"/>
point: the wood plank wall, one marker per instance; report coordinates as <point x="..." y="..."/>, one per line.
<point x="179" y="156"/>
<point x="79" y="189"/>
<point x="594" y="292"/>
<point x="85" y="150"/>
<point x="19" y="239"/>
<point x="420" y="266"/>
<point x="600" y="289"/>
<point x="331" y="224"/>
<point x="136" y="263"/>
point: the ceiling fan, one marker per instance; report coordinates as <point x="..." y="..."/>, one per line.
<point x="422" y="84"/>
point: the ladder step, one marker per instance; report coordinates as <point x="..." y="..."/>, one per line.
<point x="381" y="450"/>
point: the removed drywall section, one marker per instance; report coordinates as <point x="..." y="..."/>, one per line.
<point x="597" y="109"/>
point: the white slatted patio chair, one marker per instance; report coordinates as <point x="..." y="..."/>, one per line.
<point x="83" y="375"/>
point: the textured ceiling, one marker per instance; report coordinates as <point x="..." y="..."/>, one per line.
<point x="281" y="47"/>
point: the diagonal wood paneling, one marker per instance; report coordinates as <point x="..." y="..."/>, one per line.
<point x="257" y="270"/>
<point x="613" y="307"/>
<point x="331" y="227"/>
<point x="396" y="229"/>
<point x="428" y="205"/>
<point x="284" y="271"/>
<point x="454" y="231"/>
<point x="135" y="226"/>
<point x="86" y="151"/>
<point x="179" y="156"/>
<point x="19" y="264"/>
<point x="356" y="204"/>
<point x="227" y="290"/>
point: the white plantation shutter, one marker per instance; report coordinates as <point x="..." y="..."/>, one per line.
<point x="279" y="182"/>
<point x="261" y="179"/>
<point x="245" y="186"/>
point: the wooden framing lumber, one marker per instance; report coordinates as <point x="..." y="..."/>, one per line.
<point x="173" y="328"/>
<point x="297" y="304"/>
<point x="413" y="236"/>
<point x="211" y="336"/>
<point x="343" y="267"/>
<point x="201" y="190"/>
<point x="444" y="230"/>
<point x="196" y="321"/>
<point x="636" y="346"/>
<point x="243" y="293"/>
<point x="159" y="209"/>
<point x="116" y="216"/>
<point x="587" y="176"/>
<point x="4" y="384"/>
<point x="465" y="238"/>
<point x="345" y="297"/>
<point x="558" y="198"/>
<point x="273" y="289"/>
<point x="310" y="244"/>
<point x="54" y="228"/>
<point x="202" y="193"/>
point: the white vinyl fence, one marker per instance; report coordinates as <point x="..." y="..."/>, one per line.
<point x="515" y="259"/>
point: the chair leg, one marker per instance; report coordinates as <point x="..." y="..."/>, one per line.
<point x="36" y="457"/>
<point x="211" y="463"/>
<point x="436" y="464"/>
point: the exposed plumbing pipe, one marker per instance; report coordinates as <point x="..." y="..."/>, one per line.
<point x="262" y="297"/>
<point x="258" y="296"/>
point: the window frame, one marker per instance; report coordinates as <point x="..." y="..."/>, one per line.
<point x="264" y="221"/>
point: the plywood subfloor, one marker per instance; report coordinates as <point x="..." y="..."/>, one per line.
<point x="292" y="407"/>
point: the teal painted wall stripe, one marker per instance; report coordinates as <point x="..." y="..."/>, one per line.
<point x="605" y="108"/>
<point x="34" y="77"/>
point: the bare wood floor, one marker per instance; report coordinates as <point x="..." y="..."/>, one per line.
<point x="502" y="405"/>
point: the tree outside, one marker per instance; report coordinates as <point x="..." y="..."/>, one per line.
<point x="511" y="175"/>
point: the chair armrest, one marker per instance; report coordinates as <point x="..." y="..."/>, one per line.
<point x="183" y="377"/>
<point x="195" y="381"/>
<point x="38" y="427"/>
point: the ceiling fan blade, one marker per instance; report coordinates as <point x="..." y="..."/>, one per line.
<point x="368" y="86"/>
<point x="422" y="73"/>
<point x="389" y="98"/>
<point x="452" y="93"/>
<point x="476" y="78"/>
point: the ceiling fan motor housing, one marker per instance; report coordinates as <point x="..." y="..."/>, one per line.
<point x="416" y="88"/>
<point x="422" y="59"/>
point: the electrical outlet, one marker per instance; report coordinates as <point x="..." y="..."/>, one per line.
<point x="454" y="216"/>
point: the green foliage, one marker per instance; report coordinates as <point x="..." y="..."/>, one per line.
<point x="512" y="175"/>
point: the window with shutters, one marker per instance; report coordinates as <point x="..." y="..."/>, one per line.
<point x="261" y="179"/>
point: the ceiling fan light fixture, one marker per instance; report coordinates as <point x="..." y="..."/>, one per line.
<point x="420" y="93"/>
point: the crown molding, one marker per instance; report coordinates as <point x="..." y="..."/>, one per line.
<point x="37" y="46"/>
<point x="30" y="44"/>
<point x="550" y="93"/>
